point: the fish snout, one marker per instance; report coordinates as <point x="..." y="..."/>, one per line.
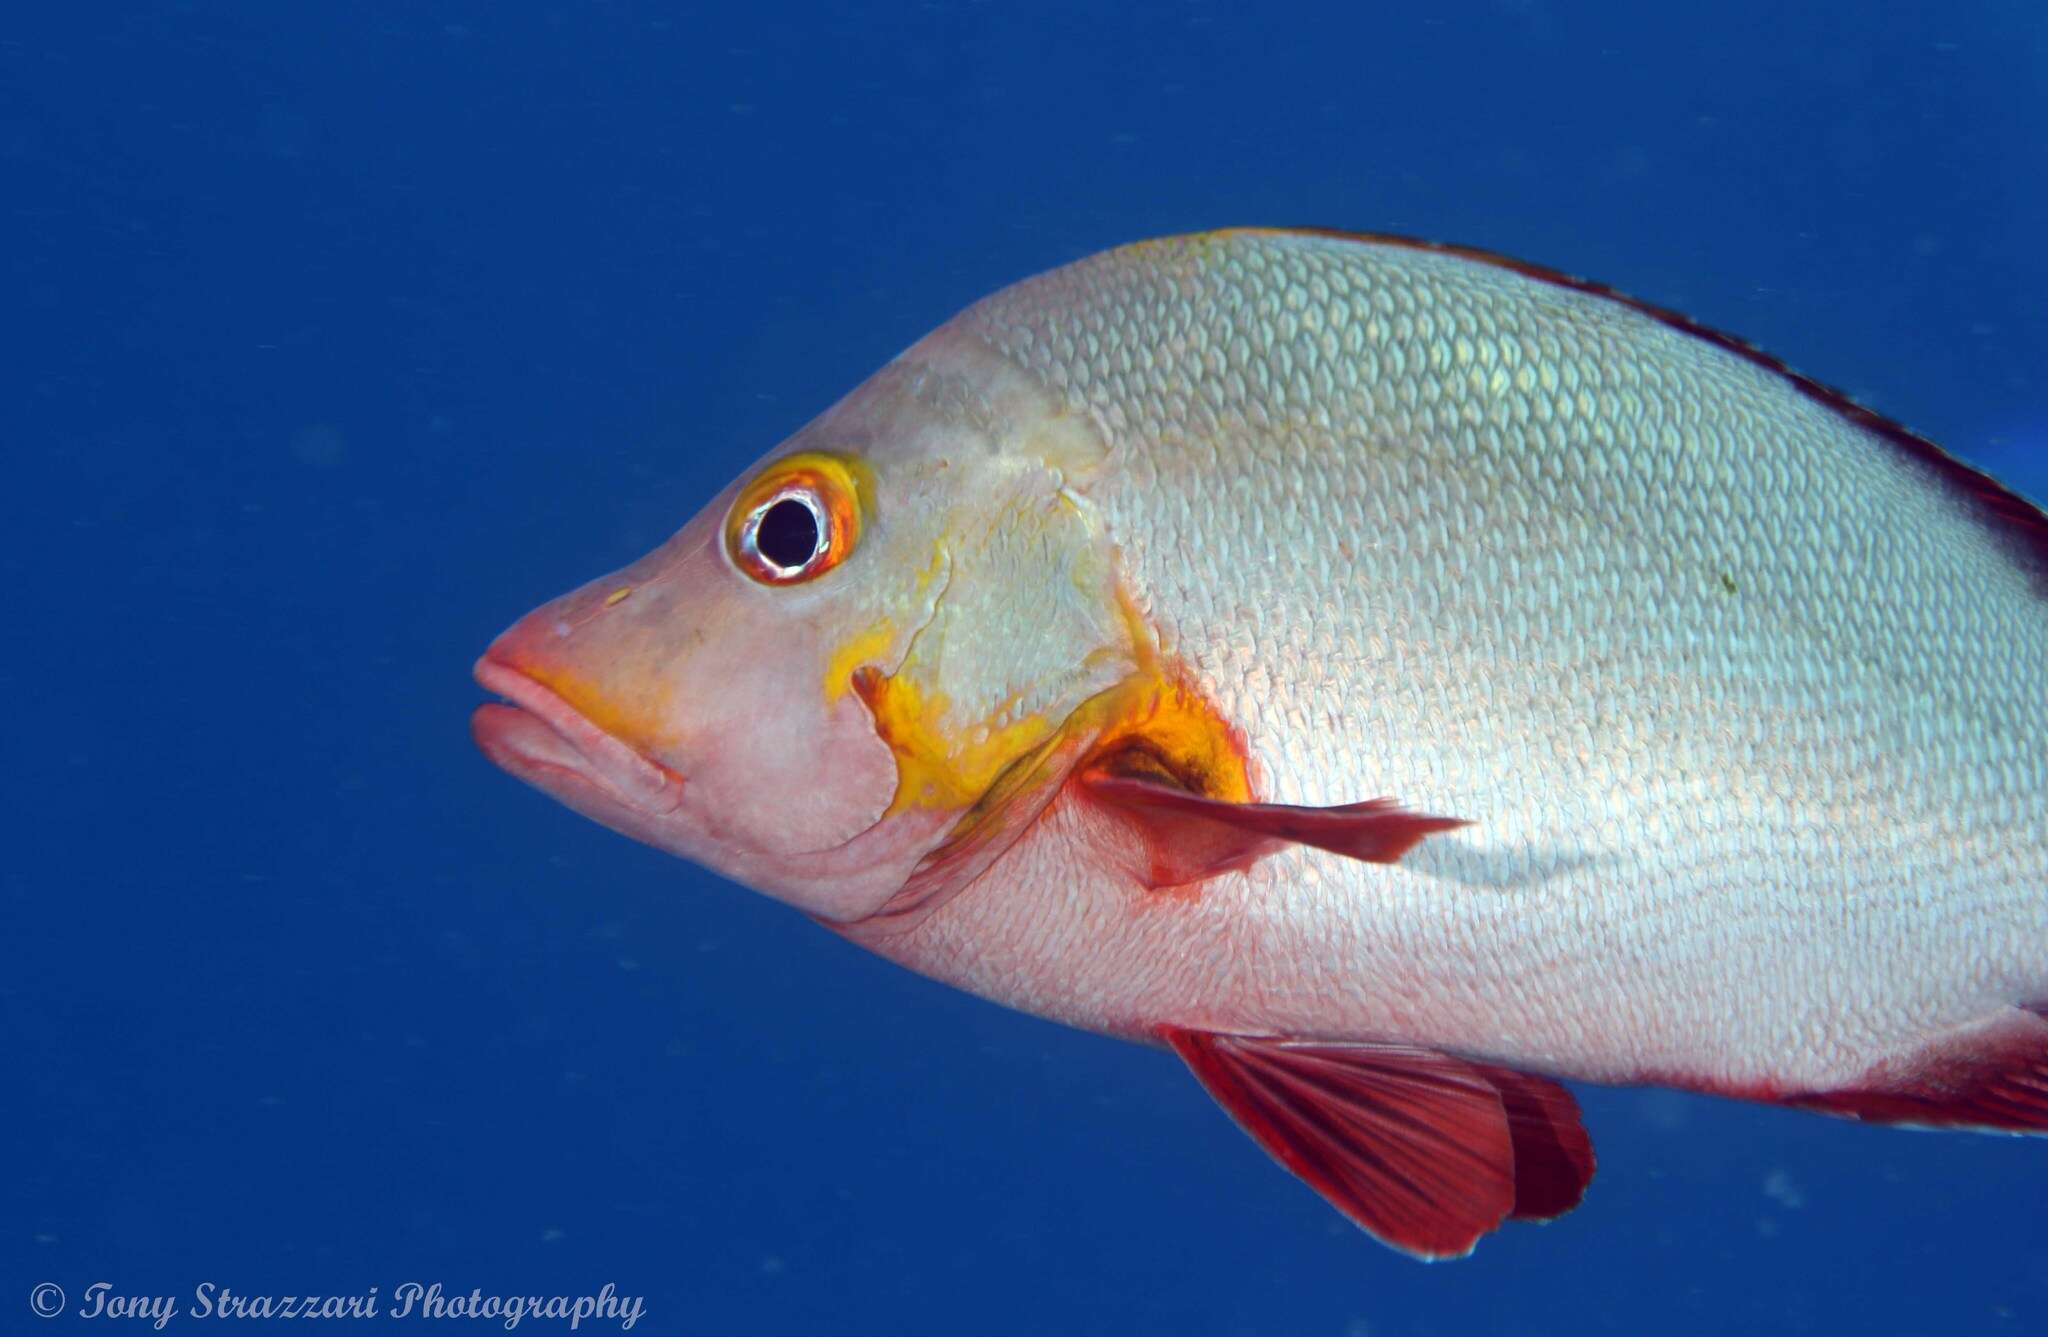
<point x="583" y="714"/>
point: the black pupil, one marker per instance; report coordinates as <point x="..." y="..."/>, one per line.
<point x="787" y="534"/>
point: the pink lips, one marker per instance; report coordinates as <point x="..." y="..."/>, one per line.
<point x="545" y="741"/>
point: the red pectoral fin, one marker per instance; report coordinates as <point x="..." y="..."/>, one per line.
<point x="1424" y="1151"/>
<point x="1191" y="837"/>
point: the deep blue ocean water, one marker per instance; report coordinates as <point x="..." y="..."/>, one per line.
<point x="337" y="336"/>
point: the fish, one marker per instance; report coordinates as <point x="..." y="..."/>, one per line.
<point x="1397" y="679"/>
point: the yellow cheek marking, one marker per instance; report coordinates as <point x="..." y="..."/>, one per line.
<point x="865" y="648"/>
<point x="617" y="595"/>
<point x="937" y="767"/>
<point x="878" y="643"/>
<point x="1151" y="722"/>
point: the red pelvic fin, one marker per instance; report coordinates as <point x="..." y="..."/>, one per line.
<point x="1553" y="1155"/>
<point x="1995" y="1080"/>
<point x="1424" y="1151"/>
<point x="1191" y="837"/>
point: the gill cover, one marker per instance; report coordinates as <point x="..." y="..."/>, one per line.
<point x="830" y="666"/>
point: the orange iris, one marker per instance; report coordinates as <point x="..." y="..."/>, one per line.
<point x="827" y="487"/>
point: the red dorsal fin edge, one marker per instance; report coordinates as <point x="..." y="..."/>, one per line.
<point x="2010" y="516"/>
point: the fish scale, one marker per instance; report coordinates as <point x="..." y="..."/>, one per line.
<point x="1751" y="795"/>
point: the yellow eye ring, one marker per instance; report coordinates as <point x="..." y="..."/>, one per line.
<point x="797" y="521"/>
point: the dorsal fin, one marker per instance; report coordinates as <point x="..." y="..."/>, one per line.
<point x="2010" y="517"/>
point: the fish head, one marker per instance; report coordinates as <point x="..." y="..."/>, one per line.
<point x="823" y="678"/>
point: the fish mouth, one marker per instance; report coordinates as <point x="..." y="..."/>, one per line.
<point x="542" y="739"/>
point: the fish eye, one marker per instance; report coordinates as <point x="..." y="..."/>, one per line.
<point x="795" y="522"/>
<point x="782" y="536"/>
<point x="789" y="531"/>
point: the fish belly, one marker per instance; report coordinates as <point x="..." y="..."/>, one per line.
<point x="1745" y="703"/>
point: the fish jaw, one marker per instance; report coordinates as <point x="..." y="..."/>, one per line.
<point x="540" y="738"/>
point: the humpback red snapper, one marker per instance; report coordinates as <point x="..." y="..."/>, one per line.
<point x="1393" y="677"/>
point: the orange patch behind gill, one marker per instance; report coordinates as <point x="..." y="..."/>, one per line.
<point x="1158" y="723"/>
<point x="1166" y="729"/>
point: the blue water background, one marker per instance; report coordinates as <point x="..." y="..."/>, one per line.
<point x="336" y="336"/>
